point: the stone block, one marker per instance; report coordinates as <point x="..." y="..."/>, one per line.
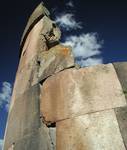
<point x="121" y="114"/>
<point x="55" y="60"/>
<point x="33" y="66"/>
<point x="52" y="134"/>
<point x="74" y="92"/>
<point x="37" y="140"/>
<point x="24" y="116"/>
<point x="25" y="78"/>
<point x="96" y="131"/>
<point x="40" y="67"/>
<point x="27" y="73"/>
<point x="43" y="36"/>
<point x="121" y="70"/>
<point x="38" y="13"/>
<point x="34" y="43"/>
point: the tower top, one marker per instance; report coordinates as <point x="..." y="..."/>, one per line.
<point x="37" y="15"/>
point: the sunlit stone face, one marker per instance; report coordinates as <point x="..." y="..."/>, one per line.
<point x="75" y="92"/>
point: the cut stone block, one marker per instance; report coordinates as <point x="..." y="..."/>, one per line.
<point x="33" y="66"/>
<point x="52" y="134"/>
<point x="38" y="140"/>
<point x="121" y="70"/>
<point x="47" y="63"/>
<point x="38" y="13"/>
<point x="121" y="114"/>
<point x="34" y="44"/>
<point x="96" y="131"/>
<point x="74" y="92"/>
<point x="24" y="116"/>
<point x="56" y="59"/>
<point x="40" y="39"/>
<point x="25" y="78"/>
<point x="27" y="73"/>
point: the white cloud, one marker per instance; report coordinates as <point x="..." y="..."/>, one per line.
<point x="1" y="144"/>
<point x="5" y="95"/>
<point x="85" y="47"/>
<point x="70" y="4"/>
<point x="68" y="22"/>
<point x="90" y="62"/>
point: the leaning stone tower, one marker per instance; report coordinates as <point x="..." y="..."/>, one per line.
<point x="56" y="105"/>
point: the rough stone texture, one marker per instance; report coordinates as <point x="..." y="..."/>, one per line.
<point x="40" y="36"/>
<point x="38" y="39"/>
<point x="34" y="47"/>
<point x="121" y="114"/>
<point x="52" y="134"/>
<point x="74" y="92"/>
<point x="31" y="47"/>
<point x="121" y="70"/>
<point x="96" y="131"/>
<point x="35" y="42"/>
<point x="47" y="63"/>
<point x="68" y="94"/>
<point x="50" y="31"/>
<point x="24" y="129"/>
<point x="24" y="79"/>
<point x="28" y="66"/>
<point x="24" y="116"/>
<point x="56" y="59"/>
<point x="38" y="140"/>
<point x="46" y="33"/>
<point x="38" y="12"/>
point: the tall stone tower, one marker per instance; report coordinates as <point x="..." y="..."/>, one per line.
<point x="56" y="105"/>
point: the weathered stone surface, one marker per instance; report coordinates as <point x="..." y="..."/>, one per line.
<point x="38" y="13"/>
<point x="24" y="79"/>
<point x="28" y="66"/>
<point x="121" y="70"/>
<point x="24" y="116"/>
<point x="121" y="114"/>
<point x="74" y="92"/>
<point x="38" y="140"/>
<point x="44" y="33"/>
<point x="96" y="131"/>
<point x="35" y="44"/>
<point x="52" y="134"/>
<point x="56" y="59"/>
<point x="40" y="67"/>
<point x="68" y="94"/>
<point x="50" y="31"/>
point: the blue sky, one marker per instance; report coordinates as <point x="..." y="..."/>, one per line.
<point x="97" y="31"/>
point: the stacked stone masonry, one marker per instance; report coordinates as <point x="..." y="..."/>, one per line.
<point x="56" y="105"/>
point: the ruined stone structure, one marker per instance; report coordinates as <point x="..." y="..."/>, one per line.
<point x="56" y="105"/>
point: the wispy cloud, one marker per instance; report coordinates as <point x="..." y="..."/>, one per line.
<point x="68" y="21"/>
<point x="85" y="47"/>
<point x="90" y="61"/>
<point x="70" y="4"/>
<point x="5" y="95"/>
<point x="1" y="144"/>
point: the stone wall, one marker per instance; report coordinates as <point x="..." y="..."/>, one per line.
<point x="56" y="105"/>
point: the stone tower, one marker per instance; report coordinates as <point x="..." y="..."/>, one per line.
<point x="56" y="105"/>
